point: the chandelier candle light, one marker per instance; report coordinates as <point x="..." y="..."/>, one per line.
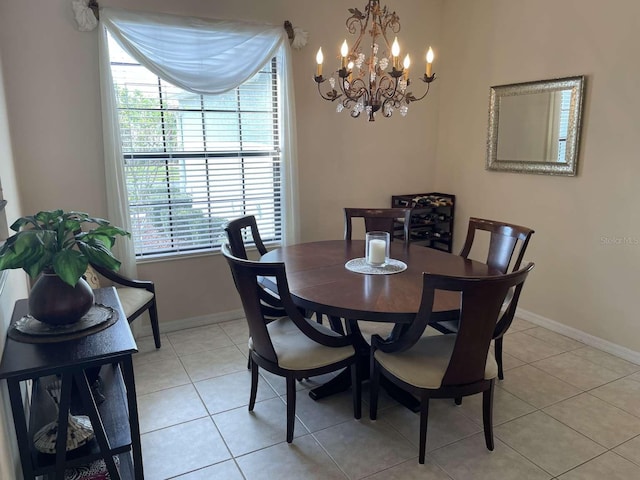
<point x="363" y="81"/>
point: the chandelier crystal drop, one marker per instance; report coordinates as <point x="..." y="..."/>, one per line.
<point x="363" y="83"/>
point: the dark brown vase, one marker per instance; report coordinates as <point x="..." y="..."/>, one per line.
<point x="55" y="302"/>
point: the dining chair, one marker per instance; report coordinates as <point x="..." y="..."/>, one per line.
<point x="451" y="365"/>
<point x="241" y="232"/>
<point x="293" y="347"/>
<point x="502" y="244"/>
<point x="379" y="219"/>
<point x="136" y="296"/>
<point x="503" y="241"/>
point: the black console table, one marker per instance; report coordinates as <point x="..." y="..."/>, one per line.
<point x="114" y="421"/>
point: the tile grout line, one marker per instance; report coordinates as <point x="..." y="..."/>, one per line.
<point x="537" y="409"/>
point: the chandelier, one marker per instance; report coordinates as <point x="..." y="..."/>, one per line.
<point x="363" y="83"/>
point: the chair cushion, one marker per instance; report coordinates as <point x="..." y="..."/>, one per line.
<point x="370" y="328"/>
<point x="133" y="298"/>
<point x="425" y="364"/>
<point x="296" y="351"/>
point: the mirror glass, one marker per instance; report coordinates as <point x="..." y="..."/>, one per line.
<point x="534" y="127"/>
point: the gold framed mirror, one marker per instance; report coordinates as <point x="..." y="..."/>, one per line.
<point x="534" y="127"/>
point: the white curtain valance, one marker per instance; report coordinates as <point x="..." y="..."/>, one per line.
<point x="198" y="55"/>
<point x="203" y="57"/>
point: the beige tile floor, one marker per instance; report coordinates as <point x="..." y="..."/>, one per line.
<point x="565" y="411"/>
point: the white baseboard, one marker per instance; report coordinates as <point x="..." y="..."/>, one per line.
<point x="144" y="328"/>
<point x="591" y="340"/>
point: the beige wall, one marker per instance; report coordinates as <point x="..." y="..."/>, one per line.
<point x="584" y="278"/>
<point x="580" y="280"/>
<point x="11" y="288"/>
<point x="51" y="81"/>
<point x="53" y="101"/>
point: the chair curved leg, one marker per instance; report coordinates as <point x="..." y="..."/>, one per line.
<point x="291" y="406"/>
<point x="356" y="387"/>
<point x="424" y="418"/>
<point x="374" y="386"/>
<point x="498" y="350"/>
<point x="153" y="315"/>
<point x="487" y="415"/>
<point x="254" y="384"/>
<point x="458" y="400"/>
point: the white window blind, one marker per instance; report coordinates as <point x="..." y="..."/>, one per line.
<point x="193" y="162"/>
<point x="565" y="106"/>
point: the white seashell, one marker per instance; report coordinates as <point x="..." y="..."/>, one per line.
<point x="79" y="429"/>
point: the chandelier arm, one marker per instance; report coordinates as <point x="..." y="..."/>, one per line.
<point x="348" y="102"/>
<point x="428" y="82"/>
<point x="394" y="103"/>
<point x="332" y="95"/>
<point x="384" y="93"/>
<point x="365" y="95"/>
<point x="360" y="82"/>
<point x="385" y="83"/>
<point x="361" y="90"/>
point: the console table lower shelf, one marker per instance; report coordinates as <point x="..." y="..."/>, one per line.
<point x="113" y="415"/>
<point x="56" y="379"/>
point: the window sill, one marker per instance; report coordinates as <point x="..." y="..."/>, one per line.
<point x="170" y="257"/>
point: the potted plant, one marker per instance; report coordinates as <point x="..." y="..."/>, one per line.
<point x="52" y="247"/>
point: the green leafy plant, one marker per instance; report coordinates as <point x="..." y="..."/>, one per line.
<point x="54" y="242"/>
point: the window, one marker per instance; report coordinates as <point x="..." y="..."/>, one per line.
<point x="193" y="162"/>
<point x="565" y="110"/>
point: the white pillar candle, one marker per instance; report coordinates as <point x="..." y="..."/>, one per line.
<point x="377" y="251"/>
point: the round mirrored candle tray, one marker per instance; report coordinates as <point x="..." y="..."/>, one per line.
<point x="377" y="248"/>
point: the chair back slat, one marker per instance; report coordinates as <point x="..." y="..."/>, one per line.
<point x="501" y="248"/>
<point x="237" y="234"/>
<point x="378" y="219"/>
<point x="503" y="242"/>
<point x="482" y="300"/>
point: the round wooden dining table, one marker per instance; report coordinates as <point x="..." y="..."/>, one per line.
<point x="319" y="281"/>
